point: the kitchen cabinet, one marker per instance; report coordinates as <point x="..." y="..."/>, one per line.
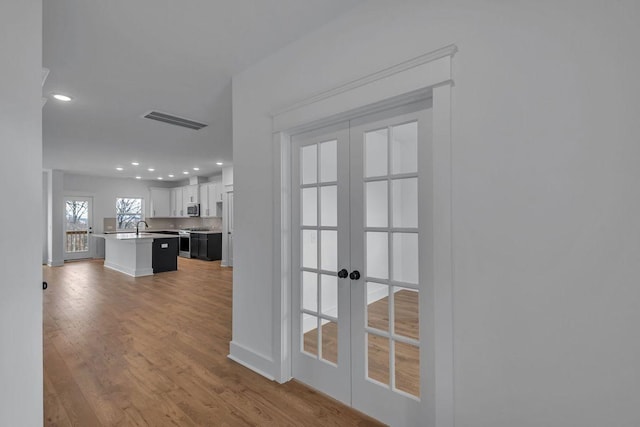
<point x="177" y="209"/>
<point x="164" y="255"/>
<point x="190" y="195"/>
<point x="160" y="203"/>
<point x="206" y="246"/>
<point x="205" y="211"/>
<point x="218" y="191"/>
<point x="209" y="206"/>
<point x="139" y="254"/>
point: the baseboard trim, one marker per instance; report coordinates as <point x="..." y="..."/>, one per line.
<point x="52" y="263"/>
<point x="128" y="271"/>
<point x="250" y="359"/>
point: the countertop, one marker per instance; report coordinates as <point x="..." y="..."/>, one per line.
<point x="134" y="236"/>
<point x="154" y="230"/>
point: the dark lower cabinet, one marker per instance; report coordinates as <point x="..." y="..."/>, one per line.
<point x="206" y="246"/>
<point x="164" y="255"/>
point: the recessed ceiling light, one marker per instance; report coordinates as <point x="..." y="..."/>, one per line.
<point x="61" y="97"/>
<point x="160" y="178"/>
<point x="186" y="172"/>
<point x="135" y="163"/>
<point x="151" y="169"/>
<point x="171" y="175"/>
<point x="219" y="163"/>
<point x="138" y="177"/>
<point x="119" y="169"/>
<point x="196" y="169"/>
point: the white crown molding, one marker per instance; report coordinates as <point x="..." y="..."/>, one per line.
<point x="447" y="51"/>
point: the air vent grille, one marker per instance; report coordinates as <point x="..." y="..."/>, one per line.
<point x="174" y="120"/>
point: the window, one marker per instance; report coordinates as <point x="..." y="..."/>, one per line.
<point x="128" y="212"/>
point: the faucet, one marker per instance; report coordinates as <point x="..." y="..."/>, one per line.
<point x="138" y="224"/>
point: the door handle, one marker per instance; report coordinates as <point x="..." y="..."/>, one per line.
<point x="355" y="275"/>
<point x="343" y="273"/>
<point x="45" y="285"/>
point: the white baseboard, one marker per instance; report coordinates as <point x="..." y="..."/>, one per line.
<point x="248" y="358"/>
<point x="55" y="263"/>
<point x="129" y="271"/>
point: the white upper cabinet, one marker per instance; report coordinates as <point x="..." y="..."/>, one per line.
<point x="211" y="199"/>
<point x="205" y="210"/>
<point x="177" y="209"/>
<point x="160" y="203"/>
<point x="218" y="190"/>
<point x="208" y="195"/>
<point x="190" y="195"/>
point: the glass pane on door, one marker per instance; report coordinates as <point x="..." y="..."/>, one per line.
<point x="377" y="203"/>
<point x="407" y="368"/>
<point x="404" y="148"/>
<point x="77" y="225"/>
<point x="378" y="358"/>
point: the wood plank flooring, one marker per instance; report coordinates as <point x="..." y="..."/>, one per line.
<point x="152" y="351"/>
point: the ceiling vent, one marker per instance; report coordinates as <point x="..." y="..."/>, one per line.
<point x="174" y="120"/>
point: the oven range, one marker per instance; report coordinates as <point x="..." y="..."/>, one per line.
<point x="185" y="240"/>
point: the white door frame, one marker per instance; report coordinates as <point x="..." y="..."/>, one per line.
<point x="229" y="228"/>
<point x="428" y="76"/>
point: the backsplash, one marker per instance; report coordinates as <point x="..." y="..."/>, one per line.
<point x="178" y="223"/>
<point x="171" y="223"/>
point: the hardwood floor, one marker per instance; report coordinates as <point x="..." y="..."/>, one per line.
<point x="153" y="351"/>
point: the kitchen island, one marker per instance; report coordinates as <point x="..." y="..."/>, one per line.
<point x="140" y="254"/>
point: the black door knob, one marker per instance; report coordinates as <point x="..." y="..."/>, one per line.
<point x="355" y="275"/>
<point x="343" y="273"/>
<point x="45" y="285"/>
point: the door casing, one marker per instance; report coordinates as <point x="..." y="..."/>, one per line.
<point x="427" y="76"/>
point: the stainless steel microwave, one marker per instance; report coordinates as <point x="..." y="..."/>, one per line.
<point x="193" y="209"/>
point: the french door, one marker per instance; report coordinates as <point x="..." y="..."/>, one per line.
<point x="360" y="256"/>
<point x="78" y="227"/>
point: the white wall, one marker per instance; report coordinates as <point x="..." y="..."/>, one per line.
<point x="105" y="191"/>
<point x="21" y="172"/>
<point x="55" y="218"/>
<point x="546" y="201"/>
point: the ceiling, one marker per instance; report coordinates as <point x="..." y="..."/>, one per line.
<point x="123" y="58"/>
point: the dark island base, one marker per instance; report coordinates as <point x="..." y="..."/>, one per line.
<point x="165" y="255"/>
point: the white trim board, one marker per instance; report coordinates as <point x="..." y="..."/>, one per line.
<point x="444" y="52"/>
<point x="426" y="76"/>
<point x="250" y="359"/>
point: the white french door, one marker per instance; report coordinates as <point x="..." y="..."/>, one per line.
<point x="321" y="356"/>
<point x="78" y="227"/>
<point x="361" y="255"/>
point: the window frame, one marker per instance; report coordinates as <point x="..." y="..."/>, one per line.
<point x="139" y="215"/>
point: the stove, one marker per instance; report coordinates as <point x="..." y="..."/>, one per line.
<point x="184" y="236"/>
<point x="184" y="243"/>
